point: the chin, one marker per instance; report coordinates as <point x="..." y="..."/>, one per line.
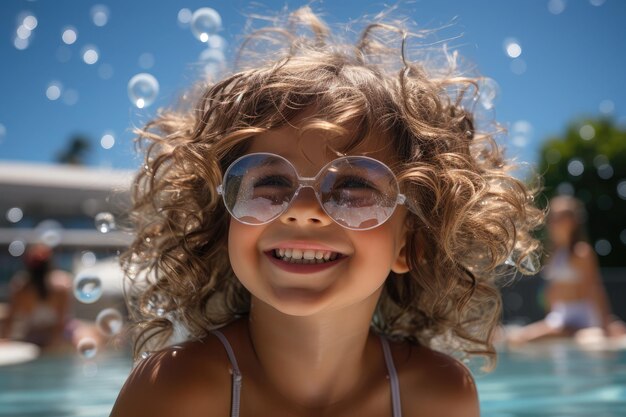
<point x="298" y="302"/>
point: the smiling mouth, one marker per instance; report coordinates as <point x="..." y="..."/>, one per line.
<point x="306" y="256"/>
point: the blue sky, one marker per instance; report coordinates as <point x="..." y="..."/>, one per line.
<point x="572" y="64"/>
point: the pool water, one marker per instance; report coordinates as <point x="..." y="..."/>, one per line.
<point x="555" y="380"/>
<point x="551" y="380"/>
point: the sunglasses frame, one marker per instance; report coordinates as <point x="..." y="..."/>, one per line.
<point x="310" y="182"/>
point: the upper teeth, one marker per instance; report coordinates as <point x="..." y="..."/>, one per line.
<point x="308" y="254"/>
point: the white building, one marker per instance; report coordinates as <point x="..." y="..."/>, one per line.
<point x="58" y="204"/>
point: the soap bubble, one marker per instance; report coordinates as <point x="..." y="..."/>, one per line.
<point x="17" y="248"/>
<point x="90" y="54"/>
<point x="88" y="258"/>
<point x="69" y="35"/>
<point x="109" y="322"/>
<point x="214" y="62"/>
<point x="53" y="92"/>
<point x="14" y="214"/>
<point x="204" y="22"/>
<point x="146" y="60"/>
<point x="87" y="348"/>
<point x="143" y="89"/>
<point x="489" y="91"/>
<point x="50" y="232"/>
<point x="556" y="6"/>
<point x="30" y="22"/>
<point x="105" y="222"/>
<point x="603" y="247"/>
<point x="100" y="15"/>
<point x="512" y="47"/>
<point x="575" y="167"/>
<point x="87" y="288"/>
<point x="587" y="132"/>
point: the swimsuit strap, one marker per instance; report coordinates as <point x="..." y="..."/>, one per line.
<point x="236" y="394"/>
<point x="393" y="377"/>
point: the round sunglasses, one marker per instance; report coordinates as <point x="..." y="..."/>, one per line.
<point x="357" y="192"/>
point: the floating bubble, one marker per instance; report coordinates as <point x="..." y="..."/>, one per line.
<point x="90" y="54"/>
<point x="204" y="22"/>
<point x="606" y="106"/>
<point x="17" y="248"/>
<point x="605" y="171"/>
<point x="20" y="44"/>
<point x="105" y="71"/>
<point x="30" y="22"/>
<point x="565" y="188"/>
<point x="518" y="66"/>
<point x="100" y="15"/>
<point x="145" y="355"/>
<point x="597" y="3"/>
<point x="600" y="160"/>
<point x="146" y="60"/>
<point x="575" y="167"/>
<point x="107" y="141"/>
<point x="603" y="247"/>
<point x="512" y="47"/>
<point x="143" y="89"/>
<point x="70" y="97"/>
<point x="14" y="214"/>
<point x="556" y="6"/>
<point x="621" y="189"/>
<point x="87" y="288"/>
<point x="87" y="348"/>
<point x="587" y="132"/>
<point x="216" y="42"/>
<point x="109" y="322"/>
<point x="214" y="62"/>
<point x="53" y="92"/>
<point x="88" y="258"/>
<point x="184" y="16"/>
<point x="50" y="232"/>
<point x="105" y="222"/>
<point x="489" y="91"/>
<point x="23" y="32"/>
<point x="3" y="131"/>
<point x="69" y="35"/>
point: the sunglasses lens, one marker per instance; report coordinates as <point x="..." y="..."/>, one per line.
<point x="358" y="192"/>
<point x="258" y="188"/>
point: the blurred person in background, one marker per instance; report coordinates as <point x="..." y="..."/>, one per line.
<point x="40" y="300"/>
<point x="575" y="293"/>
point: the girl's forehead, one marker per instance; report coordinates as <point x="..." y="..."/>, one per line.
<point x="312" y="149"/>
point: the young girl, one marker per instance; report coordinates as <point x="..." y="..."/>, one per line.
<point x="326" y="224"/>
<point x="575" y="292"/>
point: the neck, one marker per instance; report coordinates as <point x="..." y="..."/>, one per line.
<point x="313" y="361"/>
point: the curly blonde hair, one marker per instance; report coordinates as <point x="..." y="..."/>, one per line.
<point x="467" y="213"/>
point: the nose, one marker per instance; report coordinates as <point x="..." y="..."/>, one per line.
<point x="305" y="210"/>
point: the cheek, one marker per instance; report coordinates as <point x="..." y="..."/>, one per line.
<point x="242" y="250"/>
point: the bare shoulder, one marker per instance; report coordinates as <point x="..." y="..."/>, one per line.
<point x="190" y="379"/>
<point x="434" y="383"/>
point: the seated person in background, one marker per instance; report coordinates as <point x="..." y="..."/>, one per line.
<point x="39" y="302"/>
<point x="575" y="293"/>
